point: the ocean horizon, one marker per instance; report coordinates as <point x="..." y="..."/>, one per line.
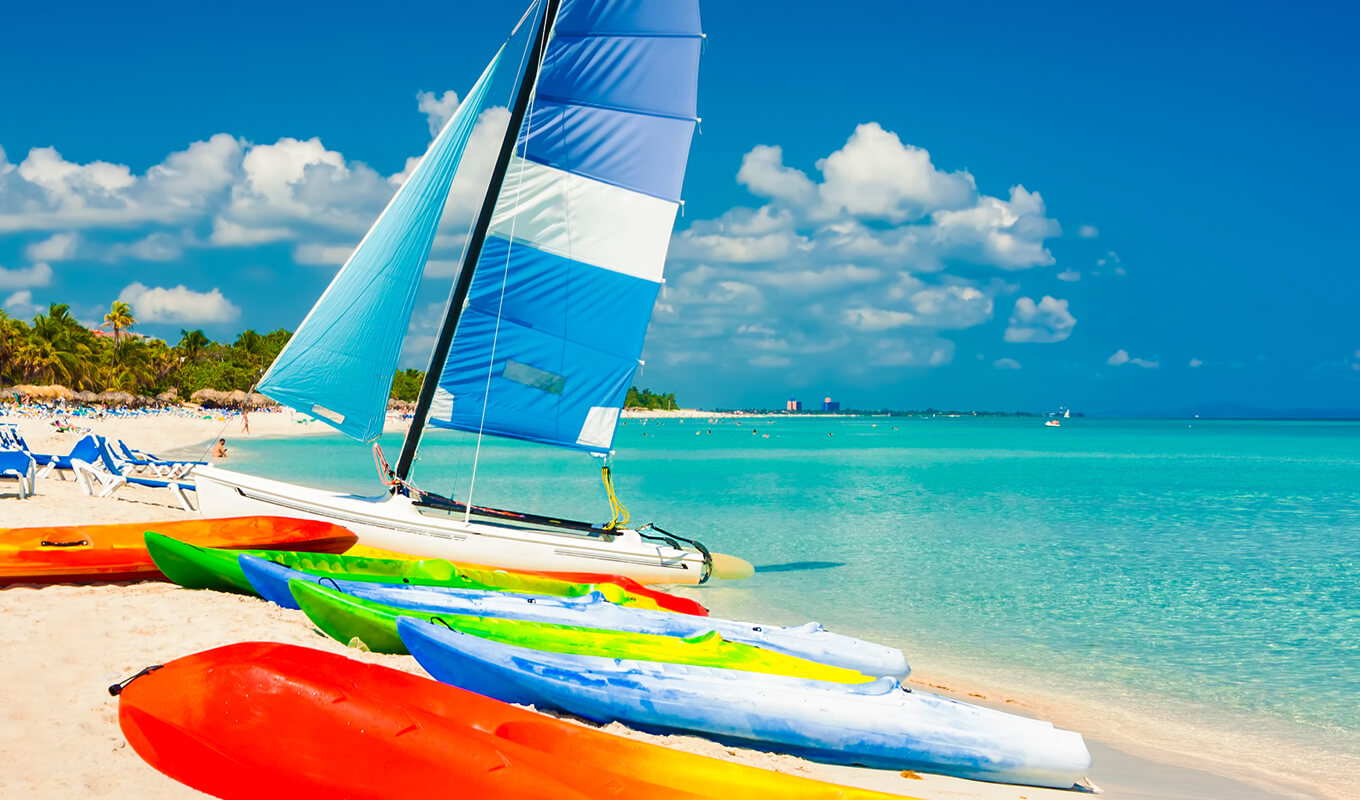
<point x="1193" y="577"/>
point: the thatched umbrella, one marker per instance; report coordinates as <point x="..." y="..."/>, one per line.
<point x="116" y="398"/>
<point x="86" y="396"/>
<point x="168" y="396"/>
<point x="50" y="392"/>
<point x="257" y="400"/>
<point x="236" y="399"/>
<point x="209" y="398"/>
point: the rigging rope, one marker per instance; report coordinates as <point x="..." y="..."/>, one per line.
<point x="505" y="280"/>
<point x="618" y="513"/>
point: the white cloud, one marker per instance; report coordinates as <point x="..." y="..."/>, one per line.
<point x="438" y="109"/>
<point x="40" y="274"/>
<point x="20" y="304"/>
<point x="322" y="255"/>
<point x="227" y="233"/>
<point x="876" y="176"/>
<point x="877" y="319"/>
<point x="1069" y="275"/>
<point x="764" y="174"/>
<point x="46" y="191"/>
<point x="1088" y="231"/>
<point x="178" y="304"/>
<point x="58" y="247"/>
<point x="1006" y="363"/>
<point x="1044" y="322"/>
<point x="1121" y="357"/>
<point x="1195" y="362"/>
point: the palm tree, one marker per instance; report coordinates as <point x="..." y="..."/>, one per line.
<point x="13" y="332"/>
<point x="251" y="345"/>
<point x="119" y="318"/>
<point x="192" y="343"/>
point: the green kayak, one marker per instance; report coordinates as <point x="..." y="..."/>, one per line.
<point x="357" y="621"/>
<point x="195" y="567"/>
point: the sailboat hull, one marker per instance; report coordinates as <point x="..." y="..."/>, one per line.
<point x="393" y="522"/>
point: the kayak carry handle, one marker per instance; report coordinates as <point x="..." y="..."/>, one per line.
<point x="80" y="543"/>
<point x="118" y="688"/>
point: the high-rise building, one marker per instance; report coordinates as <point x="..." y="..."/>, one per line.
<point x="831" y="405"/>
<point x="793" y="405"/>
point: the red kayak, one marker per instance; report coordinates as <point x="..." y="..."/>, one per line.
<point x="262" y="720"/>
<point x="100" y="553"/>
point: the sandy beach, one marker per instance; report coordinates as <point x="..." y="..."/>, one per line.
<point x="61" y="646"/>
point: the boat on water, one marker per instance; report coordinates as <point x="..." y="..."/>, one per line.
<point x="545" y="323"/>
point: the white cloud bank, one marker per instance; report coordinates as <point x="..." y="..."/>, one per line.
<point x="178" y="304"/>
<point x="39" y="274"/>
<point x="863" y="265"/>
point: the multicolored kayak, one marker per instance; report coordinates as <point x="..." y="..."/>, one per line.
<point x="808" y="641"/>
<point x="195" y="567"/>
<point x="351" y="620"/>
<point x="260" y="720"/>
<point x="878" y="724"/>
<point x="96" y="553"/>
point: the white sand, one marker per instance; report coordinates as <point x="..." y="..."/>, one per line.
<point x="61" y="646"/>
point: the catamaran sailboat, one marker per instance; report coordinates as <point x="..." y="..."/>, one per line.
<point x="546" y="320"/>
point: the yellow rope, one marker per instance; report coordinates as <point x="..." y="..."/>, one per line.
<point x="618" y="514"/>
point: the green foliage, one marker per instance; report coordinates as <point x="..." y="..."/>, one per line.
<point x="406" y="384"/>
<point x="646" y="399"/>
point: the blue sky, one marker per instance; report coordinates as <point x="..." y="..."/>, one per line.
<point x="853" y="227"/>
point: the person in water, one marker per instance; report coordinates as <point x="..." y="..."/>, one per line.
<point x="220" y="449"/>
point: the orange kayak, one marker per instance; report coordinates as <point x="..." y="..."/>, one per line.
<point x="264" y="720"/>
<point x="97" y="553"/>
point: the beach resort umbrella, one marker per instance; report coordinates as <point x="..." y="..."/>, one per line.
<point x="168" y="396"/>
<point x="116" y="398"/>
<point x="86" y="396"/>
<point x="210" y="398"/>
<point x="236" y="399"/>
<point x="257" y="400"/>
<point x="51" y="392"/>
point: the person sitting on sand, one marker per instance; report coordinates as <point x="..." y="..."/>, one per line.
<point x="220" y="449"/>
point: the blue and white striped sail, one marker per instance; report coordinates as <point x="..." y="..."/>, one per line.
<point x="548" y="343"/>
<point x="339" y="365"/>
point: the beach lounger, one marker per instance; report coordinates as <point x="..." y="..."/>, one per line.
<point x="112" y="477"/>
<point x="161" y="468"/>
<point x="87" y="450"/>
<point x="19" y="465"/>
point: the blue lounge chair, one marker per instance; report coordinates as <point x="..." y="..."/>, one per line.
<point x="110" y="476"/>
<point x="17" y="464"/>
<point x="163" y="469"/>
<point x="87" y="450"/>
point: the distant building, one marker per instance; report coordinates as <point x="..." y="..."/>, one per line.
<point x="793" y="405"/>
<point x="831" y="405"/>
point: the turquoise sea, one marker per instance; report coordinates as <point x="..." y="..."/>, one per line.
<point x="1192" y="572"/>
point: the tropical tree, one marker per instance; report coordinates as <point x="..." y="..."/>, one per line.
<point x="251" y="345"/>
<point x="192" y="344"/>
<point x="119" y="318"/>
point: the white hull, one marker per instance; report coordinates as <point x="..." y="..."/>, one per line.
<point x="393" y="522"/>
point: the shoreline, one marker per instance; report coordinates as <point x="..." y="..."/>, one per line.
<point x="1128" y="762"/>
<point x="1138" y="744"/>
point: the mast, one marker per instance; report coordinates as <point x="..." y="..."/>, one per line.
<point x="475" y="241"/>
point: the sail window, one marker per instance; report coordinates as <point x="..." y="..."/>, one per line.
<point x="533" y="377"/>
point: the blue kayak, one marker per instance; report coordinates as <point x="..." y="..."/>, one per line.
<point x="879" y="724"/>
<point x="808" y="641"/>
